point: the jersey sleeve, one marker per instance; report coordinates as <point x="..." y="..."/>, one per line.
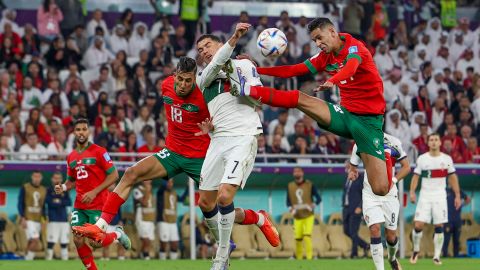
<point x="355" y="52"/>
<point x="450" y="167"/>
<point x="105" y="161"/>
<point x="354" y="158"/>
<point x="70" y="166"/>
<point x="418" y="166"/>
<point x="316" y="63"/>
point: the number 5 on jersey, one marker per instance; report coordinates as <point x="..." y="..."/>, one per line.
<point x="81" y="172"/>
<point x="176" y="115"/>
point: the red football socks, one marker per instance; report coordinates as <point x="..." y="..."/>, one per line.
<point x="109" y="238"/>
<point x="274" y="97"/>
<point x="388" y="163"/>
<point x="85" y="254"/>
<point x="251" y="217"/>
<point x="110" y="209"/>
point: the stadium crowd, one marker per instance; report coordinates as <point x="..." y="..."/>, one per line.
<point x="50" y="76"/>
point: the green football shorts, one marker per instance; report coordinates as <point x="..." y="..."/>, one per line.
<point x="365" y="130"/>
<point x="175" y="164"/>
<point x="80" y="216"/>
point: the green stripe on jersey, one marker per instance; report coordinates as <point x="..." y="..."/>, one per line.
<point x="190" y="107"/>
<point x="310" y="66"/>
<point x="356" y="56"/>
<point x="109" y="171"/>
<point x="72" y="164"/>
<point x="213" y="90"/>
<point x="167" y="100"/>
<point x="331" y="67"/>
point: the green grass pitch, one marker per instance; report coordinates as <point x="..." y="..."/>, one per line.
<point x="323" y="264"/>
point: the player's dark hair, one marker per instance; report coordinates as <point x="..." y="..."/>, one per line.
<point x="209" y="36"/>
<point x="298" y="167"/>
<point x="80" y="121"/>
<point x="186" y="64"/>
<point x="319" y="23"/>
<point x="433" y="134"/>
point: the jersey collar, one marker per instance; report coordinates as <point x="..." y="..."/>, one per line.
<point x="83" y="150"/>
<point x="343" y="37"/>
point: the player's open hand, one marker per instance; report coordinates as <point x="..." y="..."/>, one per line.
<point x="205" y="127"/>
<point x="241" y="29"/>
<point x="413" y="197"/>
<point x="326" y="85"/>
<point x="89" y="196"/>
<point x="58" y="189"/>
<point x="457" y="202"/>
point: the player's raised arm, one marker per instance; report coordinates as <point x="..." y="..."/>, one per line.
<point x="206" y="46"/>
<point x="344" y="73"/>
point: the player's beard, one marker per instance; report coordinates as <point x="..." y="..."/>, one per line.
<point x="80" y="142"/>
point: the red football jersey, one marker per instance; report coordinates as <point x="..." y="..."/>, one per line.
<point x="363" y="92"/>
<point x="88" y="169"/>
<point x="183" y="115"/>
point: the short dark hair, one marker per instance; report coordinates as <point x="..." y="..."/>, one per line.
<point x="80" y="121"/>
<point x="57" y="173"/>
<point x="433" y="134"/>
<point x="210" y="36"/>
<point x="186" y="64"/>
<point x="319" y="23"/>
<point x="36" y="171"/>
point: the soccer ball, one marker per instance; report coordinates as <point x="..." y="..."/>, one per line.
<point x="272" y="42"/>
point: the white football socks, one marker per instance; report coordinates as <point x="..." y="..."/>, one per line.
<point x="225" y="226"/>
<point x="212" y="224"/>
<point x="416" y="237"/>
<point x="377" y="255"/>
<point x="438" y="244"/>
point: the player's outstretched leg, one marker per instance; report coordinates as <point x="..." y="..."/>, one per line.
<point x="146" y="169"/>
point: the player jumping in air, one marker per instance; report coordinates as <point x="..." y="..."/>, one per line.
<point x="90" y="171"/>
<point x="186" y="147"/>
<point x="382" y="209"/>
<point x="360" y="113"/>
<point x="433" y="167"/>
<point x="232" y="151"/>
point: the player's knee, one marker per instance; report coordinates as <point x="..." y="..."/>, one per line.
<point x="206" y="205"/>
<point x="78" y="241"/>
<point x="375" y="230"/>
<point x="130" y="175"/>
<point x="224" y="198"/>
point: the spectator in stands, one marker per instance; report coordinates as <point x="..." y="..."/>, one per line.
<point x="142" y="61"/>
<point x="103" y="120"/>
<point x="42" y="130"/>
<point x="321" y="147"/>
<point x="457" y="143"/>
<point x="34" y="71"/>
<point x="130" y="146"/>
<point x="7" y="52"/>
<point x="162" y="24"/>
<point x="352" y="214"/>
<point x="75" y="92"/>
<point x="109" y="139"/>
<point x="118" y="39"/>
<point x="49" y="17"/>
<point x="97" y="20"/>
<point x="167" y="199"/>
<point x="125" y="124"/>
<point x="72" y="53"/>
<point x="392" y="86"/>
<point x="302" y="197"/>
<point x="53" y="88"/>
<point x="466" y="61"/>
<point x="299" y="132"/>
<point x="438" y="113"/>
<point x="380" y="22"/>
<point x="463" y="105"/>
<point x="457" y="47"/>
<point x="353" y="14"/>
<point x="97" y="55"/>
<point x="9" y="16"/>
<point x="32" y="97"/>
<point x="180" y="42"/>
<point x="426" y="72"/>
<point x="16" y="119"/>
<point x="397" y="127"/>
<point x="422" y="102"/>
<point x="140" y="40"/>
<point x="16" y="40"/>
<point x="6" y="87"/>
<point x="11" y="133"/>
<point x="55" y="55"/>
<point x="465" y="133"/>
<point x="145" y="216"/>
<point x="58" y="229"/>
<point x="57" y="148"/>
<point x="441" y="60"/>
<point x="261" y="149"/>
<point x="30" y="40"/>
<point x="144" y="118"/>
<point x="160" y="55"/>
<point x="472" y="150"/>
<point x="126" y="19"/>
<point x="301" y="29"/>
<point x="300" y="147"/>
<point x="31" y="202"/>
<point x="276" y="148"/>
<point x="4" y="148"/>
<point x="416" y="120"/>
<point x="32" y="149"/>
<point x="383" y="59"/>
<point x="421" y="56"/>
<point x="147" y="141"/>
<point x="80" y="37"/>
<point x="420" y="142"/>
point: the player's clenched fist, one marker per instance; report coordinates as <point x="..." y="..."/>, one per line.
<point x="241" y="29"/>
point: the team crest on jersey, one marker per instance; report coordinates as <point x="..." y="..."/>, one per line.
<point x="353" y="49"/>
<point x="190" y="107"/>
<point x="376" y="142"/>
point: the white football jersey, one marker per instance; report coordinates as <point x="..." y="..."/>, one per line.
<point x="433" y="172"/>
<point x="232" y="116"/>
<point x="394" y="143"/>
